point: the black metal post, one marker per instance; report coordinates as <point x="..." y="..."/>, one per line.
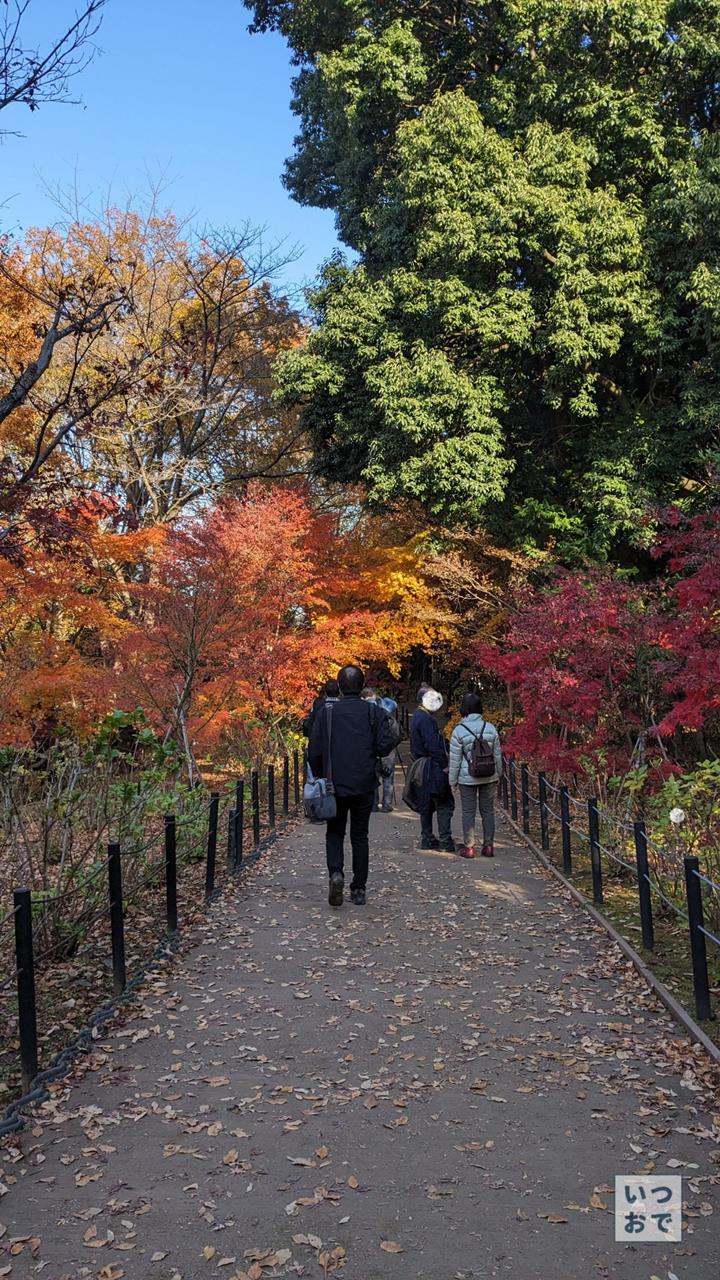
<point x="255" y="798"/>
<point x="117" y="918"/>
<point x="286" y="785"/>
<point x="171" y="872"/>
<point x="698" y="951"/>
<point x="211" y="844"/>
<point x="231" y="833"/>
<point x="525" y="791"/>
<point x="24" y="959"/>
<point x="595" y="863"/>
<point x="239" y="823"/>
<point x="542" y="797"/>
<point x="296" y="776"/>
<point x="513" y="792"/>
<point x="644" y="894"/>
<point x="271" y="795"/>
<point x="566" y="834"/>
<point x="504" y="789"/>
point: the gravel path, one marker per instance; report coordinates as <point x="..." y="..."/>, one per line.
<point x="441" y="1085"/>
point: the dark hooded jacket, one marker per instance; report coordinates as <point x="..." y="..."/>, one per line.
<point x="427" y="743"/>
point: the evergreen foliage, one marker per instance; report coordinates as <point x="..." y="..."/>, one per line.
<point x="528" y="335"/>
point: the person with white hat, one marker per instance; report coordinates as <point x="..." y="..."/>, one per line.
<point x="427" y="742"/>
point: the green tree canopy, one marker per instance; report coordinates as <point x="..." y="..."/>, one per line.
<point x="528" y="334"/>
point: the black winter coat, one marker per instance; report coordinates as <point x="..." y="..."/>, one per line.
<point x="427" y="743"/>
<point x="317" y="706"/>
<point x="361" y="735"/>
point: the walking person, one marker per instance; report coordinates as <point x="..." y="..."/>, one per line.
<point x="427" y="742"/>
<point x="350" y="737"/>
<point x="475" y="750"/>
<point x="330" y="692"/>
<point x="387" y="766"/>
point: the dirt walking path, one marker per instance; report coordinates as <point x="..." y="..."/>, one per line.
<point x="443" y="1084"/>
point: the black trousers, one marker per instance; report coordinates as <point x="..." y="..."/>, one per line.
<point x="359" y="808"/>
<point x="444" y="808"/>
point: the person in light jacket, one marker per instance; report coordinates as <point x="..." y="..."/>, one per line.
<point x="475" y="793"/>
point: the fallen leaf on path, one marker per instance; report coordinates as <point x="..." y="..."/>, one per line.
<point x="391" y="1246"/>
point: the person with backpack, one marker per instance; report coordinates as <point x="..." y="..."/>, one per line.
<point x="476" y="767"/>
<point x="347" y="740"/>
<point x="434" y="795"/>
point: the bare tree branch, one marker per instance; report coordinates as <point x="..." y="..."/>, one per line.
<point x="30" y="77"/>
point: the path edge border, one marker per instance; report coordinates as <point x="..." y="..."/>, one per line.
<point x="13" y="1120"/>
<point x="677" y="1011"/>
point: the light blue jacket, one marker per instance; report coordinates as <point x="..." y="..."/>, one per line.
<point x="461" y="745"/>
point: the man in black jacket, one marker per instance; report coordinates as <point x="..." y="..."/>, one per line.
<point x="360" y="735"/>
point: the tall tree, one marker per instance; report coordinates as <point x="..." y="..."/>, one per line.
<point x="136" y="357"/>
<point x="529" y="336"/>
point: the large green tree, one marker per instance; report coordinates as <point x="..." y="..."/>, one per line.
<point x="527" y="332"/>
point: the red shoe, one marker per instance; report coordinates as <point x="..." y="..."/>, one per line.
<point x="467" y="851"/>
<point x="488" y="851"/>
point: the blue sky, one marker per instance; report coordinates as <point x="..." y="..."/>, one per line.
<point x="179" y="93"/>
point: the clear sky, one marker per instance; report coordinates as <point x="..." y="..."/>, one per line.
<point x="180" y="93"/>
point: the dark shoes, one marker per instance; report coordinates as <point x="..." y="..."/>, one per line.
<point x="467" y="851"/>
<point x="432" y="842"/>
<point x="488" y="851"/>
<point x="335" y="893"/>
<point x="388" y="808"/>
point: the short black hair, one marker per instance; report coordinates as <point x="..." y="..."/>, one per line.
<point x="331" y="689"/>
<point x="471" y="705"/>
<point x="351" y="679"/>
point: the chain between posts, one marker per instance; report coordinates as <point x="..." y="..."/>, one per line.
<point x="647" y="887"/>
<point x="34" y="1081"/>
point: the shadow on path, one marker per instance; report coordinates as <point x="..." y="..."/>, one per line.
<point x="441" y="1085"/>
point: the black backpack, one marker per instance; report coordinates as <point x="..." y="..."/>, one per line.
<point x="481" y="761"/>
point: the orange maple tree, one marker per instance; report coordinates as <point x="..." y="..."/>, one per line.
<point x="250" y="607"/>
<point x="64" y="606"/>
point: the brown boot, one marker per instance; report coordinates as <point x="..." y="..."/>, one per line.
<point x="488" y="851"/>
